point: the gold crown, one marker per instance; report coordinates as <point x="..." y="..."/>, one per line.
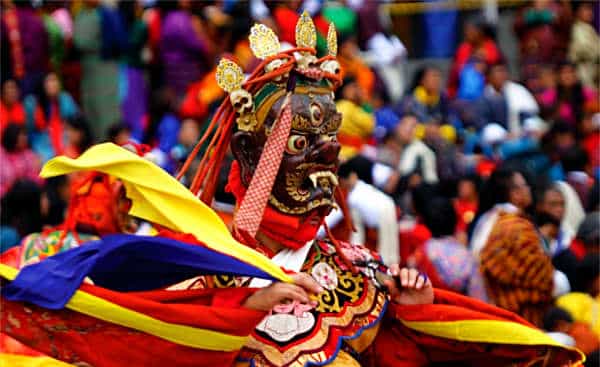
<point x="266" y="46"/>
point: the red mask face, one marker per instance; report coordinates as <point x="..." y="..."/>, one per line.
<point x="306" y="177"/>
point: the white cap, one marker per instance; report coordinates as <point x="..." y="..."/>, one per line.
<point x="493" y="133"/>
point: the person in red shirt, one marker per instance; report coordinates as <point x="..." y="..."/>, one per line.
<point x="465" y="205"/>
<point x="479" y="42"/>
<point x="11" y="108"/>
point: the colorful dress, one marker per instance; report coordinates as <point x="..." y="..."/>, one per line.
<point x="38" y="246"/>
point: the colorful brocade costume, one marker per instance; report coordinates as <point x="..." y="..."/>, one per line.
<point x="176" y="299"/>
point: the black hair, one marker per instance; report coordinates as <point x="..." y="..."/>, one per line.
<point x="20" y="207"/>
<point x="362" y="166"/>
<point x="115" y="130"/>
<point x="576" y="4"/>
<point x="553" y="316"/>
<point x="421" y="195"/>
<point x="573" y="95"/>
<point x="419" y="75"/>
<point x="166" y="6"/>
<point x="57" y="207"/>
<point x="542" y="219"/>
<point x="79" y="122"/>
<point x="587" y="271"/>
<point x="496" y="189"/>
<point x="500" y="63"/>
<point x="440" y="217"/>
<point x="574" y="159"/>
<point x="23" y="3"/>
<point x="42" y="97"/>
<point x="10" y="136"/>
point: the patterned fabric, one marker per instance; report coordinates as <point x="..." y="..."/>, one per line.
<point x="342" y="324"/>
<point x="38" y="246"/>
<point x="518" y="272"/>
<point x="251" y="210"/>
<point x="455" y="267"/>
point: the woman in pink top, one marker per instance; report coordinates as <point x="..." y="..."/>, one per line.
<point x="567" y="100"/>
<point x="17" y="161"/>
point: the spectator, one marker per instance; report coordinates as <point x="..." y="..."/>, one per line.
<point x="78" y="136"/>
<point x="18" y="161"/>
<point x="575" y="164"/>
<point x="425" y="99"/>
<point x="567" y="100"/>
<point x="47" y="112"/>
<point x="471" y="80"/>
<point x="519" y="274"/>
<point x="446" y="261"/>
<point x="506" y="191"/>
<point x="357" y="124"/>
<point x="543" y="31"/>
<point x="465" y="205"/>
<point x="385" y="117"/>
<point x="590" y="132"/>
<point x="188" y="136"/>
<point x="119" y="134"/>
<point x="478" y="42"/>
<point x="416" y="157"/>
<point x="134" y="105"/>
<point x="100" y="37"/>
<point x="59" y="26"/>
<point x="164" y="127"/>
<point x="505" y="102"/>
<point x="551" y="203"/>
<point x="377" y="226"/>
<point x="584" y="49"/>
<point x="182" y="47"/>
<point x="11" y="108"/>
<point x="27" y="46"/>
<point x="353" y="66"/>
<point x="20" y="212"/>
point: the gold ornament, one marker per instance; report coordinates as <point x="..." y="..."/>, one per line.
<point x="332" y="40"/>
<point x="229" y="75"/>
<point x="263" y="41"/>
<point x="306" y="33"/>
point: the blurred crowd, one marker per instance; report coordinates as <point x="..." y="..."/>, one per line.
<point x="484" y="178"/>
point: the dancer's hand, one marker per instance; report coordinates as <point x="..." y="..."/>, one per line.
<point x="416" y="287"/>
<point x="280" y="293"/>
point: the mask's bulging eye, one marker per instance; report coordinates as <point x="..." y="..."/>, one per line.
<point x="296" y="144"/>
<point x="316" y="114"/>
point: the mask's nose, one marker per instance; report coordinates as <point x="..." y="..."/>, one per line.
<point x="325" y="152"/>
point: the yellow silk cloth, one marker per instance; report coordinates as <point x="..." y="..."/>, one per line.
<point x="159" y="198"/>
<point x="14" y="360"/>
